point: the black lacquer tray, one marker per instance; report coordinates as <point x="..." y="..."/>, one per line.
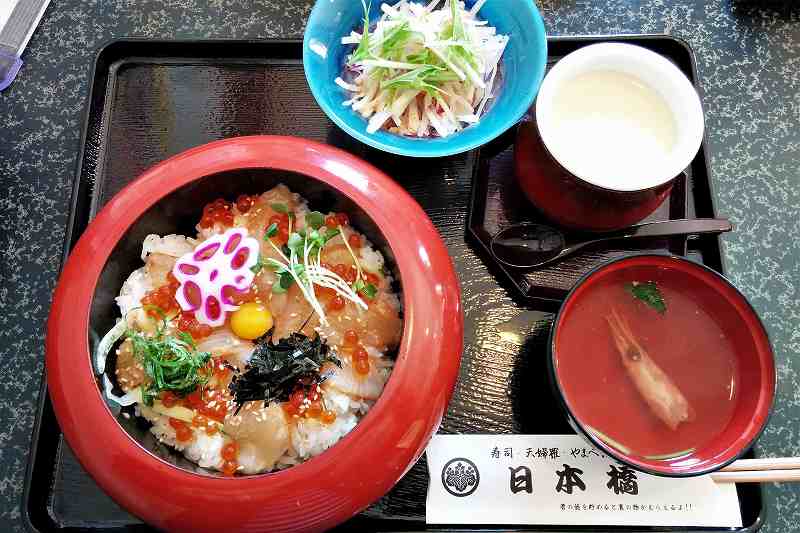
<point x="150" y="100"/>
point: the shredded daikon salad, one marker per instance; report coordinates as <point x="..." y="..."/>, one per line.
<point x="423" y="70"/>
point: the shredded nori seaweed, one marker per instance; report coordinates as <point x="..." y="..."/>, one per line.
<point x="276" y="369"/>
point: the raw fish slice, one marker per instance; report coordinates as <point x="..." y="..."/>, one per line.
<point x="292" y="313"/>
<point x="378" y="327"/>
<point x="656" y="388"/>
<point x="262" y="434"/>
<point x="347" y="381"/>
<point x="224" y="343"/>
<point x="157" y="267"/>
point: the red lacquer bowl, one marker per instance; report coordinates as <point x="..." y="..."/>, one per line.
<point x="367" y="462"/>
<point x="590" y="197"/>
<point x="570" y="201"/>
<point x="719" y="300"/>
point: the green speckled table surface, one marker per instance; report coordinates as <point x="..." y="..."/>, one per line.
<point x="748" y="55"/>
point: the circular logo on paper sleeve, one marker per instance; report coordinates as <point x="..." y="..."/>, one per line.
<point x="460" y="477"/>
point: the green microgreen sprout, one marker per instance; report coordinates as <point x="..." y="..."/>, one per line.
<point x="360" y="285"/>
<point x="300" y="263"/>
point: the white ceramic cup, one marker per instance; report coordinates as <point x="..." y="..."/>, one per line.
<point x="646" y="66"/>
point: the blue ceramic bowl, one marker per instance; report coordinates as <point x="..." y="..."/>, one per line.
<point x="523" y="68"/>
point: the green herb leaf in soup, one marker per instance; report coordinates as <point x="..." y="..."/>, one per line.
<point x="648" y="293"/>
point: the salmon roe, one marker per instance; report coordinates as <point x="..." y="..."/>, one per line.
<point x="282" y="221"/>
<point x="230" y="452"/>
<point x="361" y="361"/>
<point x="336" y="219"/>
<point x="217" y="212"/>
<point x="308" y="404"/>
<point x="189" y="324"/>
<point x="162" y="300"/>
<point x="362" y="366"/>
<point x="169" y="399"/>
<point x="218" y="369"/>
<point x="229" y="467"/>
<point x="208" y="403"/>
<point x="336" y="303"/>
<point x="183" y="433"/>
<point x="350" y="337"/>
<point x="244" y="203"/>
<point x="354" y="241"/>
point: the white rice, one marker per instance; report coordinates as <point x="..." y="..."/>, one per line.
<point x="138" y="282"/>
<point x="133" y="290"/>
<point x="371" y="260"/>
<point x="203" y="449"/>
<point x="172" y="245"/>
<point x="311" y="437"/>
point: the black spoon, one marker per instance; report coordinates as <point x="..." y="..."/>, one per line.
<point x="531" y="245"/>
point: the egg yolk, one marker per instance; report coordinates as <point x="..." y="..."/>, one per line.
<point x="251" y="321"/>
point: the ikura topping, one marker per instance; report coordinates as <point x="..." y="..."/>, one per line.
<point x="169" y="399"/>
<point x="281" y="223"/>
<point x="219" y="369"/>
<point x="221" y="261"/>
<point x="161" y="301"/>
<point x="206" y="424"/>
<point x="361" y="360"/>
<point x="188" y="323"/>
<point x="211" y="403"/>
<point x="217" y="212"/>
<point x="230" y="457"/>
<point x="354" y="240"/>
<point x="308" y="403"/>
<point x="183" y="433"/>
<point x="244" y="203"/>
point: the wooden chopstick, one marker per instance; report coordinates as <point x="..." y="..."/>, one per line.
<point x="769" y="469"/>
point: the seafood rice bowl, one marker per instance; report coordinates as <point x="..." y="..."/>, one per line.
<point x="260" y="331"/>
<point x="259" y="341"/>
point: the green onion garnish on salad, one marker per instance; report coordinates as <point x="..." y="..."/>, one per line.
<point x="423" y="70"/>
